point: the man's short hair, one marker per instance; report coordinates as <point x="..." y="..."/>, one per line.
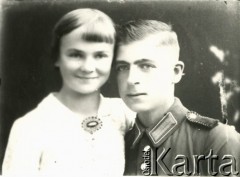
<point x="137" y="30"/>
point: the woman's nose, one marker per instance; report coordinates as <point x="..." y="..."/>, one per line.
<point x="88" y="65"/>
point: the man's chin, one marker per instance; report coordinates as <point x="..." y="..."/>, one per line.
<point x="137" y="107"/>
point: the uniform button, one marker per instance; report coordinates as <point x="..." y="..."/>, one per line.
<point x="143" y="166"/>
<point x="146" y="148"/>
<point x="192" y="115"/>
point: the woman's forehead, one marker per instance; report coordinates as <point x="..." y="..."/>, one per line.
<point x="91" y="35"/>
<point x="69" y="43"/>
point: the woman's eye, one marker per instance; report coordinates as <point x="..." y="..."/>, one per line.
<point x="122" y="68"/>
<point x="101" y="55"/>
<point x="76" y="55"/>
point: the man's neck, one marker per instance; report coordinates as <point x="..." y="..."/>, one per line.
<point x="152" y="117"/>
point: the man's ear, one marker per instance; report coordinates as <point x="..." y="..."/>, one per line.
<point x="178" y="71"/>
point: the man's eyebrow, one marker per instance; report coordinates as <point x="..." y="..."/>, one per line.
<point x="121" y="62"/>
<point x="142" y="61"/>
<point x="135" y="62"/>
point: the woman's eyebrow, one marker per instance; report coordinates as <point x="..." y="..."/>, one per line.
<point x="102" y="51"/>
<point x="75" y="50"/>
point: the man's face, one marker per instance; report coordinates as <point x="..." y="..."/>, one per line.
<point x="146" y="74"/>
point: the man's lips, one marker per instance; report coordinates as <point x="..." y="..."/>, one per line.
<point x="135" y="94"/>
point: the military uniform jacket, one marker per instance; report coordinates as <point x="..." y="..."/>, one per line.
<point x="182" y="143"/>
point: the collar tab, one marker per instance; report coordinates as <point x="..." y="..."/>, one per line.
<point x="163" y="129"/>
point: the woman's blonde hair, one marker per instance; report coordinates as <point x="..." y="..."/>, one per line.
<point x="94" y="26"/>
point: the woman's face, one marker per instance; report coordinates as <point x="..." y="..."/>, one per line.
<point x="84" y="66"/>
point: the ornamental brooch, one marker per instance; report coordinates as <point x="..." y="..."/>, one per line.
<point x="91" y="124"/>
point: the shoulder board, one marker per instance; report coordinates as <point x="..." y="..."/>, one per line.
<point x="201" y="120"/>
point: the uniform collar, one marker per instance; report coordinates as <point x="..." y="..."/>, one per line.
<point x="165" y="126"/>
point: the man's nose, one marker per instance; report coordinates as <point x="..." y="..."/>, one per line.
<point x="133" y="76"/>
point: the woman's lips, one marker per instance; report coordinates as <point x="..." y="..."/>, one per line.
<point x="86" y="77"/>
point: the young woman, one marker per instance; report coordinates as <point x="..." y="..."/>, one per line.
<point x="76" y="131"/>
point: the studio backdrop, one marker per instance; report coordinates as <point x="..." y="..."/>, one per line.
<point x="208" y="34"/>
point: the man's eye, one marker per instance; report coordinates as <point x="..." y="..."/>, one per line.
<point x="146" y="66"/>
<point x="122" y="68"/>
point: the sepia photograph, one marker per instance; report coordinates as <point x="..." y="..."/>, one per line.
<point x="119" y="88"/>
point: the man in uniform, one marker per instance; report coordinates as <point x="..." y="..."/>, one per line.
<point x="167" y="138"/>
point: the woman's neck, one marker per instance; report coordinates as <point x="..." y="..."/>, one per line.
<point x="83" y="104"/>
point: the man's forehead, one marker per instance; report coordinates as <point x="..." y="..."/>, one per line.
<point x="139" y="51"/>
<point x="150" y="40"/>
<point x="136" y="49"/>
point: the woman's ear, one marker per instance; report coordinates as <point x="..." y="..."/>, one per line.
<point x="56" y="64"/>
<point x="178" y="71"/>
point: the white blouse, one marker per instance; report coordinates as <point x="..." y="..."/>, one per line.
<point x="51" y="141"/>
